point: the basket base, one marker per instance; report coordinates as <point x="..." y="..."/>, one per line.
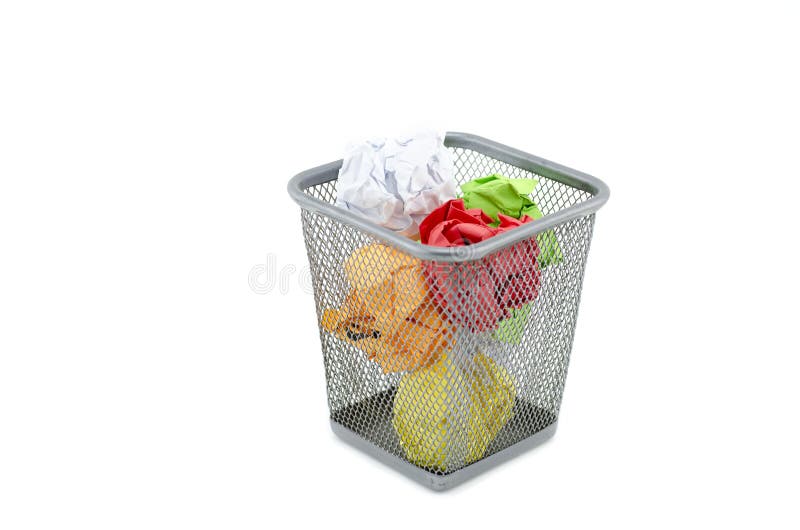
<point x="440" y="482"/>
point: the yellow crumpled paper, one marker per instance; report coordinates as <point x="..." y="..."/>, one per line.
<point x="447" y="414"/>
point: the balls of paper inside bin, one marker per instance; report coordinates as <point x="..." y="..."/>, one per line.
<point x="431" y="415"/>
<point x="396" y="182"/>
<point x="446" y="415"/>
<point x="478" y="294"/>
<point x="492" y="392"/>
<point x="496" y="194"/>
<point x="396" y="345"/>
<point x="388" y="283"/>
<point x="388" y="313"/>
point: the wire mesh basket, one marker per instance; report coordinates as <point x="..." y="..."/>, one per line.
<point x="443" y="362"/>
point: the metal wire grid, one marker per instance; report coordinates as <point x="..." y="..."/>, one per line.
<point x="487" y="391"/>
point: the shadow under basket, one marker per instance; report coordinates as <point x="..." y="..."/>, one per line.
<point x="529" y="426"/>
<point x="494" y="388"/>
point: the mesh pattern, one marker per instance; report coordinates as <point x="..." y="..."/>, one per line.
<point x="416" y="363"/>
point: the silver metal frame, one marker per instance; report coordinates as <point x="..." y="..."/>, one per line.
<point x="442" y="482"/>
<point x="365" y="407"/>
<point x="534" y="164"/>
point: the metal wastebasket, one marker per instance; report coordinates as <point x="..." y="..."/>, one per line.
<point x="479" y="387"/>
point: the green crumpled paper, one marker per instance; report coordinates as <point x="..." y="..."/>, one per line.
<point x="497" y="194"/>
<point x="511" y="328"/>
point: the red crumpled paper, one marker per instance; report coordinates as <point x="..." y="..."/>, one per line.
<point x="478" y="294"/>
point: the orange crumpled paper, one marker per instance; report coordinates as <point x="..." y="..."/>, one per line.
<point x="388" y="313"/>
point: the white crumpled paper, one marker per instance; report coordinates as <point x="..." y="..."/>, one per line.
<point x="396" y="182"/>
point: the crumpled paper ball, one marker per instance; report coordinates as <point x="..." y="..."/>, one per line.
<point x="395" y="183"/>
<point x="447" y="414"/>
<point x="480" y="293"/>
<point x="496" y="194"/>
<point x="388" y="314"/>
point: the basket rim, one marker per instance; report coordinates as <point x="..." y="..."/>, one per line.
<point x="571" y="177"/>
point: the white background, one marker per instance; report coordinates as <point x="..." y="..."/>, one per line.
<point x="145" y="149"/>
